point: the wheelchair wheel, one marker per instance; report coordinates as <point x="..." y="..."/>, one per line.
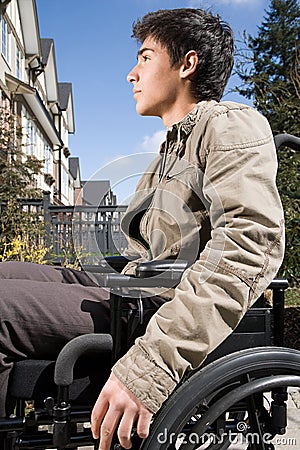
<point x="228" y="402"/>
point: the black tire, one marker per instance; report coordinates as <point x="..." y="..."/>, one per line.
<point x="201" y="398"/>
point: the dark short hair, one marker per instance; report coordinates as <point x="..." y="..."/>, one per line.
<point x="185" y="29"/>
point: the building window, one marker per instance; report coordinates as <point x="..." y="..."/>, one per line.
<point x="31" y="138"/>
<point x="19" y="64"/>
<point x="65" y="183"/>
<point x="47" y="159"/>
<point x="6" y="35"/>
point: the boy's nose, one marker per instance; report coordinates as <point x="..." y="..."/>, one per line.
<point x="132" y="76"/>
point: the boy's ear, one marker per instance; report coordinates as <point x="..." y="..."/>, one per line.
<point x="189" y="64"/>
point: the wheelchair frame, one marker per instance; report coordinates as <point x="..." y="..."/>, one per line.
<point x="224" y="398"/>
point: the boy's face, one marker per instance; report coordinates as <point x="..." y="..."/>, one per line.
<point x="156" y="85"/>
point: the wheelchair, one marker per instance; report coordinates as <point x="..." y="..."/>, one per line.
<point x="239" y="394"/>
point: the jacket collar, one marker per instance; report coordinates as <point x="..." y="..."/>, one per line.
<point x="188" y="122"/>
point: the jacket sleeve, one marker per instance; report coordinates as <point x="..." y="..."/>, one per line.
<point x="239" y="261"/>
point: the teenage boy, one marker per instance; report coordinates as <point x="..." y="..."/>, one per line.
<point x="209" y="197"/>
<point x="213" y="201"/>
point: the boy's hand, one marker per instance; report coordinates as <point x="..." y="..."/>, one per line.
<point x="117" y="405"/>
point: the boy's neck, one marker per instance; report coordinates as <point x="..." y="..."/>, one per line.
<point x="172" y="117"/>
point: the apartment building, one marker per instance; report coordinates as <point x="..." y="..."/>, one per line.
<point x="29" y="87"/>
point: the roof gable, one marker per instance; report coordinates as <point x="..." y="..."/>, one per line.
<point x="30" y="27"/>
<point x="49" y="63"/>
<point x="66" y="103"/>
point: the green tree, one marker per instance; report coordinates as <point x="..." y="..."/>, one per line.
<point x="21" y="230"/>
<point x="268" y="66"/>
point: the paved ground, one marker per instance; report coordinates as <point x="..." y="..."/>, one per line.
<point x="291" y="440"/>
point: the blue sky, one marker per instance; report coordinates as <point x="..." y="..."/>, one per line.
<point x="94" y="51"/>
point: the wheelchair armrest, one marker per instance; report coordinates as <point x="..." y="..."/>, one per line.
<point x="108" y="264"/>
<point x="63" y="375"/>
<point x="278" y="287"/>
<point x="117" y="262"/>
<point x="278" y="284"/>
<point x="165" y="273"/>
<point x="112" y="280"/>
<point x="288" y="140"/>
<point x="168" y="267"/>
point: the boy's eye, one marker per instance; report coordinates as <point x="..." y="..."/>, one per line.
<point x="143" y="57"/>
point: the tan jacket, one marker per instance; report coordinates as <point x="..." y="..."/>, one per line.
<point x="213" y="201"/>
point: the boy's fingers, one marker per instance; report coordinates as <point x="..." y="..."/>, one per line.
<point x="98" y="413"/>
<point x="143" y="424"/>
<point x="125" y="428"/>
<point x="107" y="428"/>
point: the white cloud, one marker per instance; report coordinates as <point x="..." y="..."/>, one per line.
<point x="152" y="143"/>
<point x="124" y="171"/>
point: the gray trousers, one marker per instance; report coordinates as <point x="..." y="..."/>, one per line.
<point x="41" y="309"/>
